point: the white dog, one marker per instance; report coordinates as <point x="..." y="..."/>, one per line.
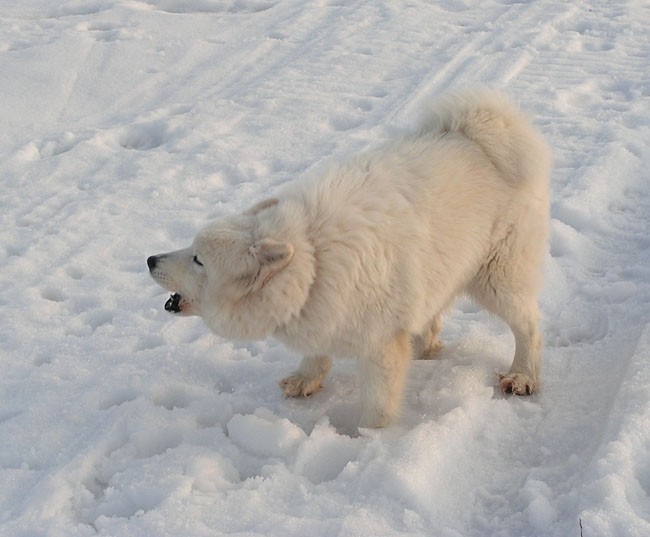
<point x="356" y="261"/>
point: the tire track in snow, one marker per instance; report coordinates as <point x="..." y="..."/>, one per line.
<point x="496" y="53"/>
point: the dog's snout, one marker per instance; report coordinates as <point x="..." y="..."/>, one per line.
<point x="151" y="262"/>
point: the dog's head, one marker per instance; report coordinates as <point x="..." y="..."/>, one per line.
<point x="237" y="282"/>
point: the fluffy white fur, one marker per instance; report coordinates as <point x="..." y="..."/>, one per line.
<point x="361" y="259"/>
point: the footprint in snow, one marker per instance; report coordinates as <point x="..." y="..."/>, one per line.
<point x="345" y="122"/>
<point x="144" y="136"/>
<point x="212" y="6"/>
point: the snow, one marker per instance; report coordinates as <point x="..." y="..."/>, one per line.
<point x="127" y="124"/>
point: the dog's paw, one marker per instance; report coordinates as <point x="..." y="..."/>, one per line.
<point x="430" y="352"/>
<point x="517" y="384"/>
<point x="425" y="350"/>
<point x="297" y="385"/>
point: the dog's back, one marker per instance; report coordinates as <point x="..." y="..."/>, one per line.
<point x="400" y="230"/>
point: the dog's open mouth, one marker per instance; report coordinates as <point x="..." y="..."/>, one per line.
<point x="173" y="304"/>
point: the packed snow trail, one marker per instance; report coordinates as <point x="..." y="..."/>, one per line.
<point x="127" y="124"/>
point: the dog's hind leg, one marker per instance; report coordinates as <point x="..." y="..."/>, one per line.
<point x="521" y="315"/>
<point x="523" y="377"/>
<point x="507" y="286"/>
<point x="307" y="379"/>
<point x="427" y="344"/>
<point x="382" y="377"/>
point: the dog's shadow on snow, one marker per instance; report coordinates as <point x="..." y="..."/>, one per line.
<point x="434" y="387"/>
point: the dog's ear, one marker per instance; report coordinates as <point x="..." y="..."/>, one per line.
<point x="259" y="207"/>
<point x="272" y="256"/>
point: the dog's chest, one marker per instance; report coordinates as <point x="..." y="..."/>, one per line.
<point x="315" y="340"/>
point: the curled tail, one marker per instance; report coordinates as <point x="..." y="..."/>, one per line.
<point x="503" y="132"/>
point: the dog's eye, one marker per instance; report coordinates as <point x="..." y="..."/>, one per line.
<point x="196" y="260"/>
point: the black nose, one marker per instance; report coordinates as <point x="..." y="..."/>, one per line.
<point x="151" y="262"/>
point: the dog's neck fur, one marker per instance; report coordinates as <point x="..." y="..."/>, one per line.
<point x="283" y="297"/>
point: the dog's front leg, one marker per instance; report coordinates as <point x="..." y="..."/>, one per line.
<point x="382" y="376"/>
<point x="307" y="379"/>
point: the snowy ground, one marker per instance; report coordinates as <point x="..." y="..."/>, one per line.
<point x="125" y="125"/>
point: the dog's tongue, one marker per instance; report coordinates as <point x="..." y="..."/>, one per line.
<point x="172" y="305"/>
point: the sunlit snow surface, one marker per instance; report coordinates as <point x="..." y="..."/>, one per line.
<point x="125" y="125"/>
